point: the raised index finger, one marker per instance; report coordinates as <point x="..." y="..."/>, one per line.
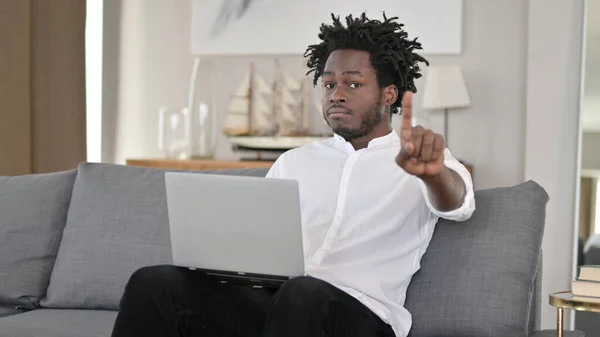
<point x="406" y="128"/>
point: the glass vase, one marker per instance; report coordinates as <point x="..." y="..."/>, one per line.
<point x="202" y="110"/>
<point x="172" y="133"/>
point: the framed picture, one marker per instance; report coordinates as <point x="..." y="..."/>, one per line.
<point x="287" y="27"/>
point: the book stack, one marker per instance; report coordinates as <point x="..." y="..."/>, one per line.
<point x="587" y="285"/>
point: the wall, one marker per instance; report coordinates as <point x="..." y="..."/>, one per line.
<point x="552" y="131"/>
<point x="151" y="65"/>
<point x="111" y="74"/>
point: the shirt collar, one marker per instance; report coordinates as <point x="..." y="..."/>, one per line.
<point x="390" y="138"/>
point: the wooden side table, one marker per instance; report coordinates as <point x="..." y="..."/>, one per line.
<point x="197" y="165"/>
<point x="566" y="300"/>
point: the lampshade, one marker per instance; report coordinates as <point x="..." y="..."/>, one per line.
<point x="445" y="88"/>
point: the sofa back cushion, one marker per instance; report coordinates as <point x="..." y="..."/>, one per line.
<point x="477" y="278"/>
<point x="33" y="211"/>
<point x="117" y="223"/>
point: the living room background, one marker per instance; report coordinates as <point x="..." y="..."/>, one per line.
<point x="521" y="59"/>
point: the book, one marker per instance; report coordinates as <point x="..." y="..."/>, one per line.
<point x="589" y="273"/>
<point x="585" y="288"/>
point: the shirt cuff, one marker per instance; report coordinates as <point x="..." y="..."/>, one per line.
<point x="467" y="208"/>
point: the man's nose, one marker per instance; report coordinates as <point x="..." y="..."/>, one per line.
<point x="338" y="97"/>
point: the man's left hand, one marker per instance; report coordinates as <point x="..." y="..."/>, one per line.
<point x="422" y="151"/>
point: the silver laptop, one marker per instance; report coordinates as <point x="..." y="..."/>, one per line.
<point x="239" y="229"/>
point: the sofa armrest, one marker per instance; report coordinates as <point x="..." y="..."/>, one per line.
<point x="552" y="333"/>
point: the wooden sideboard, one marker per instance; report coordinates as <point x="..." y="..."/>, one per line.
<point x="197" y="164"/>
<point x="207" y="164"/>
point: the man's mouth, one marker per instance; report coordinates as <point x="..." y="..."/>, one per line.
<point x="337" y="111"/>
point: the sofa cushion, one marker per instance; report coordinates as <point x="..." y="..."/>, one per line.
<point x="477" y="277"/>
<point x="117" y="223"/>
<point x="7" y="311"/>
<point x="33" y="211"/>
<point x="59" y="323"/>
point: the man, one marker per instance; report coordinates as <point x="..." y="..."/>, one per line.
<point x="370" y="200"/>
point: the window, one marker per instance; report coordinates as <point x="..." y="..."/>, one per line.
<point x="93" y="73"/>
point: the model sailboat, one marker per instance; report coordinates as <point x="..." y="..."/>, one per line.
<point x="249" y="113"/>
<point x="253" y="124"/>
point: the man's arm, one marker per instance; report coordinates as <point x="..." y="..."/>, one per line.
<point x="446" y="190"/>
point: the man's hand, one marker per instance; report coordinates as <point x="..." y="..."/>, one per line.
<point x="422" y="151"/>
<point x="422" y="155"/>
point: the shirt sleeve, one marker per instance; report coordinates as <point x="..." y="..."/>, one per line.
<point x="467" y="208"/>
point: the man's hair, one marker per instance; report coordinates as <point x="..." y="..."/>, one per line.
<point x="392" y="53"/>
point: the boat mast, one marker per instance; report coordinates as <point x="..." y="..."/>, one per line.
<point x="277" y="99"/>
<point x="250" y="98"/>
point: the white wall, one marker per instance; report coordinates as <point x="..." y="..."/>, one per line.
<point x="147" y="42"/>
<point x="147" y="65"/>
<point x="111" y="74"/>
<point x="552" y="130"/>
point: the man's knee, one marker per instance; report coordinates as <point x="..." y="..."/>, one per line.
<point x="300" y="303"/>
<point x="302" y="284"/>
<point x="151" y="278"/>
<point x="302" y="290"/>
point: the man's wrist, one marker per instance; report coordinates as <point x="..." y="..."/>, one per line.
<point x="444" y="175"/>
<point x="446" y="189"/>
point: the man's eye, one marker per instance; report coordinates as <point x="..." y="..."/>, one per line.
<point x="355" y="85"/>
<point x="328" y="85"/>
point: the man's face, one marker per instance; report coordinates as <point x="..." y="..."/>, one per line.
<point x="352" y="99"/>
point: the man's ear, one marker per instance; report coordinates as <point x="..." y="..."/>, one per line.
<point x="390" y="94"/>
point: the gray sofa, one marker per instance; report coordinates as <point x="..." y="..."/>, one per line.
<point x="70" y="240"/>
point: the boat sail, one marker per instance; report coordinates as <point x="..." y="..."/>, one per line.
<point x="285" y="104"/>
<point x="249" y="113"/>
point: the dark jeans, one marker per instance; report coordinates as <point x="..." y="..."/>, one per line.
<point x="171" y="301"/>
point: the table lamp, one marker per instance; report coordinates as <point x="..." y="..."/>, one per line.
<point x="445" y="89"/>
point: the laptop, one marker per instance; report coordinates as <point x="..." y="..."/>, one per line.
<point x="239" y="229"/>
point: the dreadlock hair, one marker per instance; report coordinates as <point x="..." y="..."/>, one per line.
<point x="392" y="53"/>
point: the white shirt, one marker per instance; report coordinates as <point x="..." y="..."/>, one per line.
<point x="366" y="222"/>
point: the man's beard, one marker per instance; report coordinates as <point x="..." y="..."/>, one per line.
<point x="369" y="121"/>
